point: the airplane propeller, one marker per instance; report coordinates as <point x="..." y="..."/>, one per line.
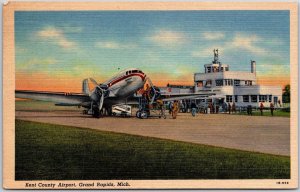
<point x="101" y="100"/>
<point x="94" y="81"/>
<point x="154" y="93"/>
<point x="98" y="95"/>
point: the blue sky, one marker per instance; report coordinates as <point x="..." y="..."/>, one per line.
<point x="169" y="44"/>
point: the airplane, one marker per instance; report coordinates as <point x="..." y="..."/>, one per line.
<point x="121" y="88"/>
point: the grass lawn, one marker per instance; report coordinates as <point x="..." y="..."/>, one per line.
<point x="55" y="152"/>
<point x="276" y="113"/>
<point x="26" y="105"/>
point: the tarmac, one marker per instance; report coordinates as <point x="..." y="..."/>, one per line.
<point x="269" y="135"/>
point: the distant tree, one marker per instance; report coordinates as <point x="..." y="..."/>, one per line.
<point x="286" y="94"/>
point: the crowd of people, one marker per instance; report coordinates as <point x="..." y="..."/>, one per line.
<point x="225" y="107"/>
<point x="228" y="108"/>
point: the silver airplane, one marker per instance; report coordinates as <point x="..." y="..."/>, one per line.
<point x="119" y="89"/>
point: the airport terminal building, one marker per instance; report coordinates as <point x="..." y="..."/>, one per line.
<point x="231" y="86"/>
<point x="235" y="86"/>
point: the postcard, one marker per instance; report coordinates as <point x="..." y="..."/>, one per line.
<point x="150" y="95"/>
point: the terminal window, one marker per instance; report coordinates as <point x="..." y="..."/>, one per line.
<point x="215" y="69"/>
<point x="219" y="82"/>
<point x="253" y="98"/>
<point x="208" y="83"/>
<point x="228" y="82"/>
<point x="248" y="83"/>
<point x="228" y="98"/>
<point x="208" y="69"/>
<point x="246" y="98"/>
<point x="262" y="98"/>
<point x="237" y="82"/>
<point x="200" y="84"/>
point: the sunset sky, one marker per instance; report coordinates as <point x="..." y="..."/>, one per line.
<point x="55" y="51"/>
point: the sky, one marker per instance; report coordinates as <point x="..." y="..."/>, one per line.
<point x="56" y="50"/>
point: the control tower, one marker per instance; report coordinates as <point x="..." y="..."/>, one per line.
<point x="215" y="65"/>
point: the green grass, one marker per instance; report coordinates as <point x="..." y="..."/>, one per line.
<point x="55" y="152"/>
<point x="32" y="105"/>
<point x="276" y="113"/>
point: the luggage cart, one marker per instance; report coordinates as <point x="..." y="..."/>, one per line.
<point x="147" y="109"/>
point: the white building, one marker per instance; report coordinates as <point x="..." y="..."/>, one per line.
<point x="235" y="86"/>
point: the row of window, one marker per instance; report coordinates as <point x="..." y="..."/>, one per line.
<point x="223" y="82"/>
<point x="230" y="82"/>
<point x="133" y="71"/>
<point x="250" y="98"/>
<point x="216" y="69"/>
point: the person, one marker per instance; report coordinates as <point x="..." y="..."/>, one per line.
<point x="146" y="93"/>
<point x="249" y="110"/>
<point x="194" y="108"/>
<point x="233" y="108"/>
<point x="160" y="105"/>
<point x="224" y="107"/>
<point x="272" y="108"/>
<point x="210" y="107"/>
<point x="170" y="107"/>
<point x="229" y="108"/>
<point x="175" y="109"/>
<point x="261" y="108"/>
<point x="279" y="102"/>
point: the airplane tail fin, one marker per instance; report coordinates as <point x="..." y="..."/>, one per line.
<point x="85" y="87"/>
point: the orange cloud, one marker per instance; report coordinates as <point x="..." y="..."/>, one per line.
<point x="45" y="82"/>
<point x="162" y="79"/>
<point x="271" y="80"/>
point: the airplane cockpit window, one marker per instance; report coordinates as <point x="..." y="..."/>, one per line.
<point x="134" y="71"/>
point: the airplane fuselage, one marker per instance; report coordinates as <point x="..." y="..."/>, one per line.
<point x="126" y="83"/>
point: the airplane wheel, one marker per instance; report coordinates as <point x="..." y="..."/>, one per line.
<point x="144" y="115"/>
<point x="138" y="114"/>
<point x="109" y="111"/>
<point x="96" y="113"/>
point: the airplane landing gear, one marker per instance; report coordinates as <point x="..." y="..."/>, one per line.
<point x="138" y="114"/>
<point x="142" y="114"/>
<point x="96" y="112"/>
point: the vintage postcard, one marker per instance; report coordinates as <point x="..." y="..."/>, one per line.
<point x="153" y="95"/>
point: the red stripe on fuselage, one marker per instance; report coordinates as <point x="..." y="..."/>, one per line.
<point x="124" y="77"/>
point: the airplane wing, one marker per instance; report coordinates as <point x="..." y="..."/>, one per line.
<point x="170" y="97"/>
<point x="173" y="98"/>
<point x="60" y="98"/>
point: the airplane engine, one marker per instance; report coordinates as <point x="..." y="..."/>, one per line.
<point x="98" y="95"/>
